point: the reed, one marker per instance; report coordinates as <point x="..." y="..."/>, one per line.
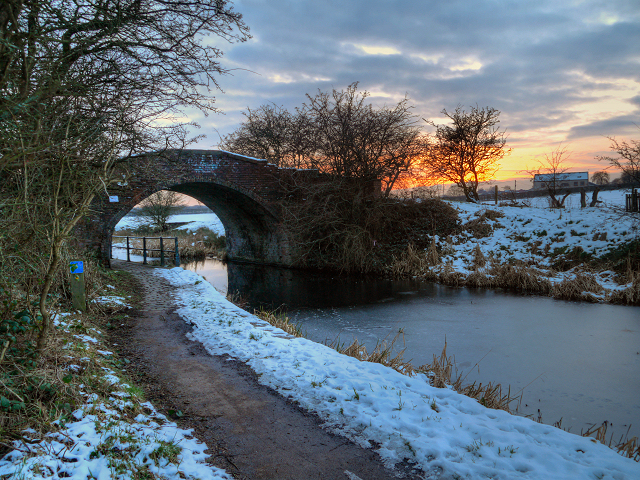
<point x="631" y="294"/>
<point x="383" y="353"/>
<point x="581" y="287"/>
<point x="479" y="260"/>
<point x="280" y="320"/>
<point x="441" y="370"/>
<point x="411" y="262"/>
<point x="519" y="277"/>
<point x="625" y="446"/>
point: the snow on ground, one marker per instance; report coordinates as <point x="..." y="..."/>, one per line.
<point x="197" y="220"/>
<point x="532" y="233"/>
<point x="96" y="442"/>
<point x="447" y="434"/>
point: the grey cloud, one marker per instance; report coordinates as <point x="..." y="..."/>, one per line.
<point x="623" y="125"/>
<point x="530" y="51"/>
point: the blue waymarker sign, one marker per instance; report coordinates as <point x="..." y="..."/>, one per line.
<point x="76" y="266"/>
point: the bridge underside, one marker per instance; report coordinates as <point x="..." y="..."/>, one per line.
<point x="253" y="233"/>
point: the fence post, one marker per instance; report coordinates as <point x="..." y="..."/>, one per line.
<point x="144" y="250"/>
<point x="634" y="200"/>
<point x="177" y="254"/>
<point x="128" y="254"/>
<point x="496" y="194"/>
<point x="78" y="297"/>
<point x="161" y="252"/>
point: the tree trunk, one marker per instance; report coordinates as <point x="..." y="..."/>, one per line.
<point x="44" y="293"/>
<point x="583" y="198"/>
<point x="594" y="198"/>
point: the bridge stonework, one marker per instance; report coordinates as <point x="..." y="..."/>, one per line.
<point x="243" y="192"/>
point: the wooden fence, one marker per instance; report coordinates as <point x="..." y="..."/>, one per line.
<point x="145" y="249"/>
<point x="632" y="203"/>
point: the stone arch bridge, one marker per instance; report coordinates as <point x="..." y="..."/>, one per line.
<point x="243" y="192"/>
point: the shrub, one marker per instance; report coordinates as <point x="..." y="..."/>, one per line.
<point x="337" y="225"/>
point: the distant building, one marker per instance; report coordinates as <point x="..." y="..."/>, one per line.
<point x="561" y="180"/>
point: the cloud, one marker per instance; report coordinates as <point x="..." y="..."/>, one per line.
<point x="544" y="64"/>
<point x="624" y="125"/>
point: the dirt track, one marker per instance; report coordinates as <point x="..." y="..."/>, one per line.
<point x="252" y="431"/>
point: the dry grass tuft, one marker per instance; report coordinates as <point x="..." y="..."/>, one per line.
<point x="279" y="320"/>
<point x="492" y="214"/>
<point x="478" y="280"/>
<point x="581" y="287"/>
<point x="479" y="260"/>
<point x="625" y="446"/>
<point x="440" y="373"/>
<point x="448" y="276"/>
<point x="433" y="258"/>
<point x="519" y="277"/>
<point x="383" y="353"/>
<point x="478" y="227"/>
<point x="630" y="295"/>
<point x="412" y="262"/>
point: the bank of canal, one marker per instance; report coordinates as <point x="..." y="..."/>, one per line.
<point x="575" y="361"/>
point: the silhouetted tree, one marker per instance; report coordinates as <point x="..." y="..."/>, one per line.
<point x="271" y="132"/>
<point x="158" y="208"/>
<point x="600" y="178"/>
<point x="467" y="152"/>
<point x="338" y="133"/>
<point x="628" y="159"/>
<point x="552" y="173"/>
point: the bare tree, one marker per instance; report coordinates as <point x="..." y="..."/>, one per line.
<point x="467" y="152"/>
<point x="552" y="174"/>
<point x="271" y="132"/>
<point x="337" y="132"/>
<point x="158" y="208"/>
<point x="600" y="178"/>
<point x="628" y="159"/>
<point x="84" y="86"/>
<point x="354" y="140"/>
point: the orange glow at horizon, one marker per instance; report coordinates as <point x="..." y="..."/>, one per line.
<point x="526" y="155"/>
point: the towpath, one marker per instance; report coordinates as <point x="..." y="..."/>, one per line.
<point x="252" y="431"/>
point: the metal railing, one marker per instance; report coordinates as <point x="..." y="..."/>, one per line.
<point x="162" y="250"/>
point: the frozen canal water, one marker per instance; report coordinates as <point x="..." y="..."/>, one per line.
<point x="575" y="361"/>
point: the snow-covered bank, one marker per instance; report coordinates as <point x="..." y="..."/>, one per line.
<point x="539" y="236"/>
<point x="195" y="221"/>
<point x="448" y="435"/>
<point x="116" y="436"/>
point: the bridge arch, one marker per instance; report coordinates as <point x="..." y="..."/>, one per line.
<point x="242" y="191"/>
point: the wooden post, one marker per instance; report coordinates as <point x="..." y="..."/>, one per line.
<point x="128" y="254"/>
<point x="78" y="297"/>
<point x="634" y="200"/>
<point x="496" y="193"/>
<point x="583" y="197"/>
<point x="144" y="250"/>
<point x="177" y="254"/>
<point x="161" y="252"/>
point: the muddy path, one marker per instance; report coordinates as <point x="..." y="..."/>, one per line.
<point x="251" y="431"/>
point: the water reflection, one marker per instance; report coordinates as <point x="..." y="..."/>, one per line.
<point x="574" y="360"/>
<point x="299" y="289"/>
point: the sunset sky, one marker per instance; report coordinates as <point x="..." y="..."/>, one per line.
<point x="559" y="71"/>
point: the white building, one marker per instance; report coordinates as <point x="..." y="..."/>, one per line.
<point x="561" y="180"/>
